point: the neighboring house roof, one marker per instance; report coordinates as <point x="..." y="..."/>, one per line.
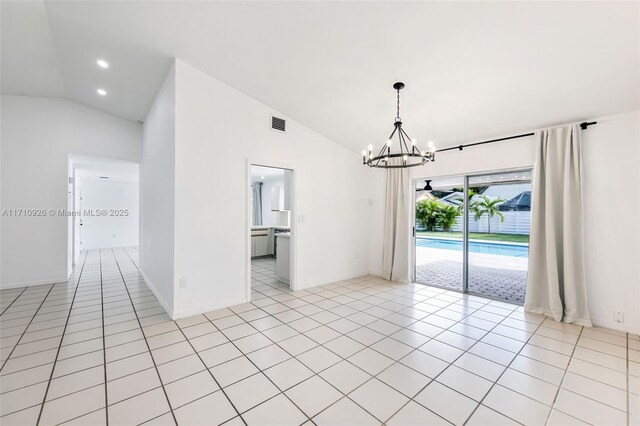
<point x="506" y="191"/>
<point x="454" y="198"/>
<point x="424" y="195"/>
<point x="521" y="201"/>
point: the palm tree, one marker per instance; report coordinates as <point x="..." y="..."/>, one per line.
<point x="489" y="207"/>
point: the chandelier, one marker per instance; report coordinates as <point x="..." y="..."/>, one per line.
<point x="404" y="148"/>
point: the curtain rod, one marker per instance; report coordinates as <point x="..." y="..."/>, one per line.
<point x="583" y="126"/>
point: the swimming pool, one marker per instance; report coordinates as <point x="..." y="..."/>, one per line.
<point x="501" y="249"/>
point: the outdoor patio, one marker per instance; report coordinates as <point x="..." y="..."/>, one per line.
<point x="495" y="276"/>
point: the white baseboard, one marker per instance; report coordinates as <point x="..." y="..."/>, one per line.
<point x="205" y="308"/>
<point x="625" y="328"/>
<point x="8" y="286"/>
<point x="168" y="308"/>
<point x="334" y="279"/>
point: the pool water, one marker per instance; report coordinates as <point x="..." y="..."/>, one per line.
<point x="502" y="249"/>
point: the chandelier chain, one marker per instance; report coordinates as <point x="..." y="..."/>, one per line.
<point x="398" y="106"/>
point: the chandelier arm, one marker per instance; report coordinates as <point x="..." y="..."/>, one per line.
<point x="400" y="141"/>
<point x="406" y="147"/>
<point x="407" y="136"/>
<point x="387" y="147"/>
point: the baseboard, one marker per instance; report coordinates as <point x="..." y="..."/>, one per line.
<point x="34" y="283"/>
<point x="334" y="279"/>
<point x="625" y="328"/>
<point x="205" y="308"/>
<point x="153" y="289"/>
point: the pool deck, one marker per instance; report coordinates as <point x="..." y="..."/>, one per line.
<point x="496" y="276"/>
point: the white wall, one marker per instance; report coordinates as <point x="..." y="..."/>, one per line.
<point x="157" y="194"/>
<point x="611" y="202"/>
<point x="269" y="217"/>
<point x="38" y="135"/>
<point x="612" y="225"/>
<point x="112" y="230"/>
<point x="219" y="132"/>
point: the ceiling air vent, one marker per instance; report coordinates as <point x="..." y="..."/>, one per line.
<point x="278" y="123"/>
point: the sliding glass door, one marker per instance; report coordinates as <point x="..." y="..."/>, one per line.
<point x="438" y="232"/>
<point x="472" y="233"/>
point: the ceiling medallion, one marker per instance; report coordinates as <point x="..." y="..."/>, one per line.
<point x="406" y="152"/>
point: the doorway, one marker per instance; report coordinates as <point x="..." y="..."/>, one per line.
<point x="472" y="233"/>
<point x="271" y="236"/>
<point x="104" y="204"/>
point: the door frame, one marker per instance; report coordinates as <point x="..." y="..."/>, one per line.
<point x="465" y="224"/>
<point x="293" y="266"/>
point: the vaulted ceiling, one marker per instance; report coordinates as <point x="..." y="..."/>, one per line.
<point x="472" y="70"/>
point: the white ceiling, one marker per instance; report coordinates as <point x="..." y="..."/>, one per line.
<point x="116" y="171"/>
<point x="261" y="173"/>
<point x="472" y="69"/>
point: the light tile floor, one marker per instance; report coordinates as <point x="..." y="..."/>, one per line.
<point x="100" y="349"/>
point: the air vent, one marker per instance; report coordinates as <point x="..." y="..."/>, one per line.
<point x="278" y="123"/>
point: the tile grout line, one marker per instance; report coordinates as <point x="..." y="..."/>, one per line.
<point x="564" y="374"/>
<point x="230" y="341"/>
<point x="53" y="368"/>
<point x="434" y="379"/>
<point x="26" y="328"/>
<point x="346" y="395"/>
<point x="198" y="355"/>
<point x="145" y="337"/>
<point x="210" y="373"/>
<point x="391" y="293"/>
<point x="628" y="388"/>
<point x="104" y="344"/>
<point x="259" y="370"/>
<point x="495" y="382"/>
<point x="13" y="301"/>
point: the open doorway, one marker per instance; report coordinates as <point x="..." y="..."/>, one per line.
<point x="271" y="248"/>
<point x="104" y="204"/>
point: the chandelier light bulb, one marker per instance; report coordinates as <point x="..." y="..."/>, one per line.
<point x="364" y="153"/>
<point x="413" y="142"/>
<point x="389" y="142"/>
<point x="405" y="158"/>
<point x="370" y="147"/>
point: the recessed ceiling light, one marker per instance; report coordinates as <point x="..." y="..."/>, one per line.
<point x="262" y="177"/>
<point x="104" y="177"/>
<point x="102" y="92"/>
<point x="102" y="63"/>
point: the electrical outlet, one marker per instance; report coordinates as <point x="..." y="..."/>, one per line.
<point x="183" y="282"/>
<point x="618" y="316"/>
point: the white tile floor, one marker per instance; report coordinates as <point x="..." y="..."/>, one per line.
<point x="100" y="350"/>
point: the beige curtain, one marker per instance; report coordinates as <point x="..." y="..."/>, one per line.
<point x="556" y="283"/>
<point x="395" y="252"/>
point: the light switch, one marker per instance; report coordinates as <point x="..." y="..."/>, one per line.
<point x="300" y="219"/>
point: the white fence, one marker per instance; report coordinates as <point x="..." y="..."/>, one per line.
<point x="516" y="222"/>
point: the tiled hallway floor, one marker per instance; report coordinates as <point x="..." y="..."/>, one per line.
<point x="100" y="350"/>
